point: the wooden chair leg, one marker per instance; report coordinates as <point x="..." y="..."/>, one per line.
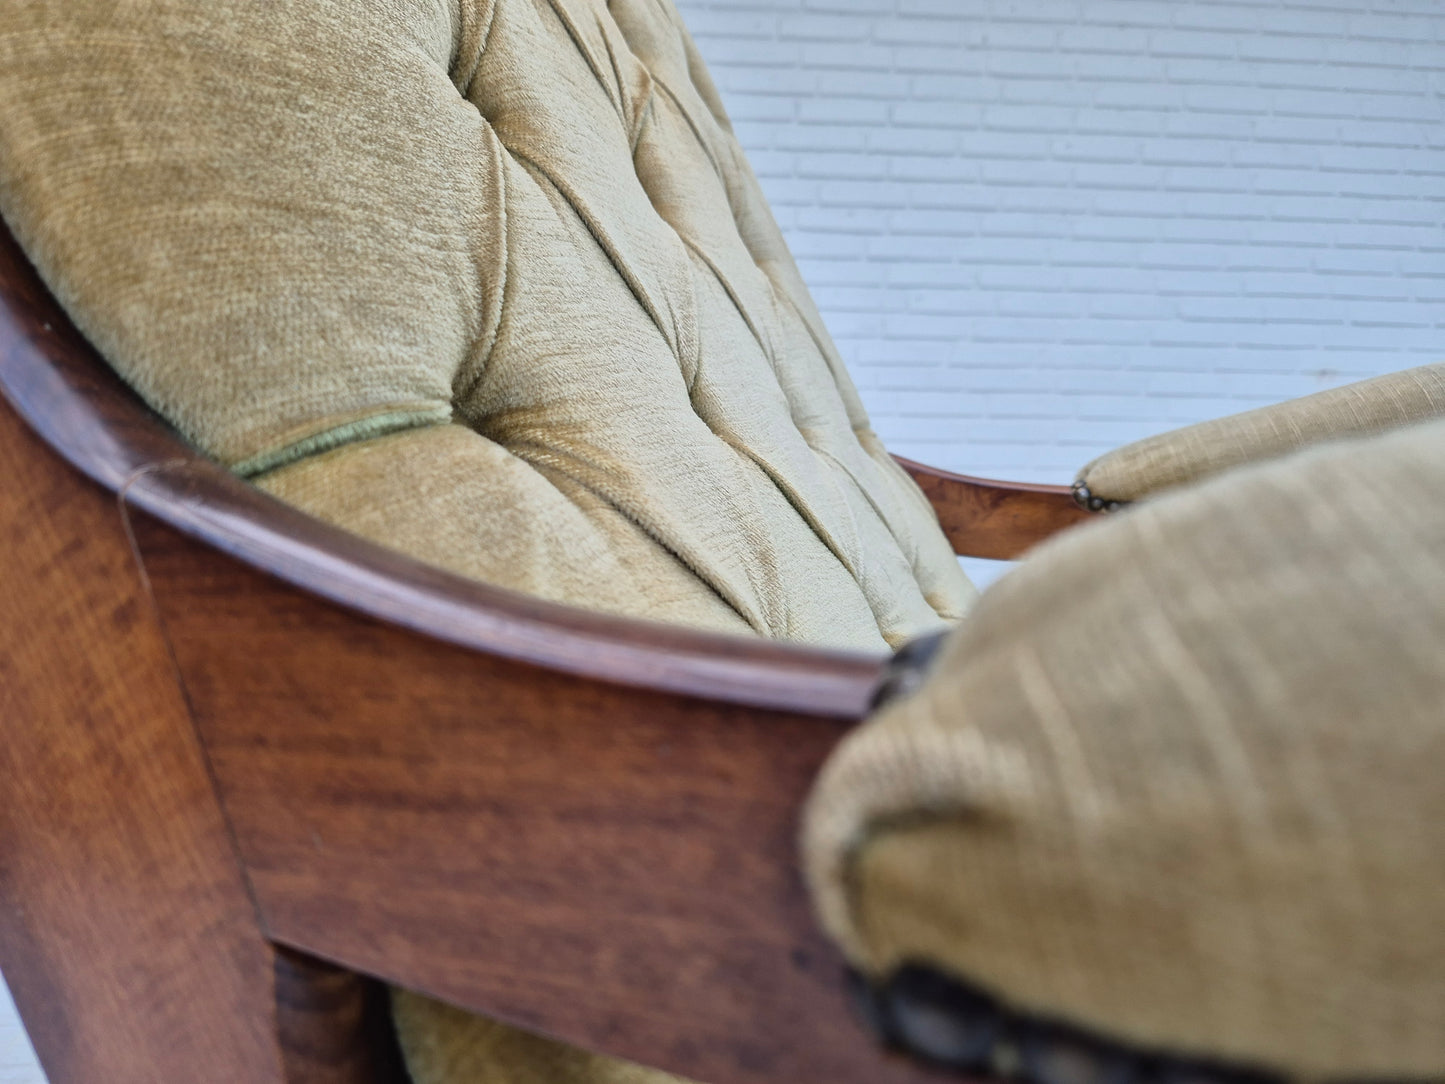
<point x="334" y="1026"/>
<point x="127" y="932"/>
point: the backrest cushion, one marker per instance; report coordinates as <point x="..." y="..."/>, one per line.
<point x="349" y="246"/>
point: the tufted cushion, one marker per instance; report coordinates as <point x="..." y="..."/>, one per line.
<point x="487" y="280"/>
<point x="1177" y="778"/>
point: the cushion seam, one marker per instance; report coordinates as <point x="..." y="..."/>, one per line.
<point x="376" y="425"/>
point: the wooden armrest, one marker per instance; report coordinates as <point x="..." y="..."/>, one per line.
<point x="999" y="520"/>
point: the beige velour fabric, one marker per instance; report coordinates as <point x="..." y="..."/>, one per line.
<point x="442" y="1043"/>
<point x="486" y="281"/>
<point x="1198" y="451"/>
<point x="1178" y="777"/>
<point x="505" y="251"/>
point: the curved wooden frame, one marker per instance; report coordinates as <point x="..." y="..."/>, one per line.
<point x="573" y="822"/>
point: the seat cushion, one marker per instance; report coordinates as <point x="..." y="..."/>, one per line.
<point x="487" y="280"/>
<point x="1177" y="780"/>
<point x="444" y="1045"/>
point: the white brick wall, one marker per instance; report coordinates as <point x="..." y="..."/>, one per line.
<point x="18" y="1064"/>
<point x="1040" y="228"/>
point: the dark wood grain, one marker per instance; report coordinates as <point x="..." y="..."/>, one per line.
<point x="609" y="865"/>
<point x="999" y="520"/>
<point x="333" y="1025"/>
<point x="126" y="933"/>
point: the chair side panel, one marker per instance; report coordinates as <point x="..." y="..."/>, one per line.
<point x="125" y="929"/>
<point x="611" y="866"/>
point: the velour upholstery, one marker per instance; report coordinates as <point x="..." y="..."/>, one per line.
<point x="444" y="1044"/>
<point x="1177" y="779"/>
<point x="485" y="280"/>
<point x="1199" y="451"/>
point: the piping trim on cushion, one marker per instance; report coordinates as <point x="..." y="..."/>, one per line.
<point x="377" y="425"/>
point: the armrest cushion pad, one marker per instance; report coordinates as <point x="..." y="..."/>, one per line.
<point x="1198" y="451"/>
<point x="1176" y="779"/>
